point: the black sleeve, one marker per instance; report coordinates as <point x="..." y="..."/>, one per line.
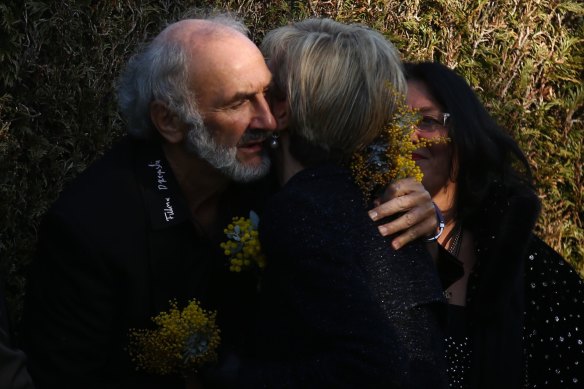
<point x="13" y="372"/>
<point x="554" y="319"/>
<point x="69" y="309"/>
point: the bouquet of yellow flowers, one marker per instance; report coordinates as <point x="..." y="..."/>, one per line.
<point x="182" y="342"/>
<point x="243" y="246"/>
<point x="389" y="157"/>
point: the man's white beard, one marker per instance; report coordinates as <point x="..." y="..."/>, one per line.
<point x="200" y="142"/>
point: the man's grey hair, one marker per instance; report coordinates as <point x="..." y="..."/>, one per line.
<point x="341" y="81"/>
<point x="161" y="72"/>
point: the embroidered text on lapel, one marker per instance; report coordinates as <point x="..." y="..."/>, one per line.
<point x="162" y="182"/>
<point x="160" y="173"/>
<point x="168" y="211"/>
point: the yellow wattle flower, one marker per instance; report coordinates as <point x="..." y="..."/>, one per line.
<point x="388" y="158"/>
<point x="243" y="246"/>
<point x="182" y="341"/>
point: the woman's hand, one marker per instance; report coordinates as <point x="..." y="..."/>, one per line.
<point x="409" y="197"/>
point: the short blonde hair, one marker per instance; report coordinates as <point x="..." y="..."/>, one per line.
<point x="335" y="79"/>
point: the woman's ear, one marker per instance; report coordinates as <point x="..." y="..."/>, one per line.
<point x="281" y="113"/>
<point x="168" y="124"/>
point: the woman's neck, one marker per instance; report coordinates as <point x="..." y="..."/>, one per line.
<point x="288" y="165"/>
<point x="456" y="239"/>
<point x="445" y="200"/>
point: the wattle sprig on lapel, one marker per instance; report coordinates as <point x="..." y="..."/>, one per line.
<point x="182" y="341"/>
<point x="243" y="244"/>
<point x="389" y="157"/>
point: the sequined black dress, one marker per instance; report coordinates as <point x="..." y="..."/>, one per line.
<point x="340" y="309"/>
<point x="523" y="323"/>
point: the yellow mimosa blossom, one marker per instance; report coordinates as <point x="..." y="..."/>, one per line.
<point x="182" y="341"/>
<point x="388" y="158"/>
<point x="243" y="246"/>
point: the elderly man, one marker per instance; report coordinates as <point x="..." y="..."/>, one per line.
<point x="142" y="226"/>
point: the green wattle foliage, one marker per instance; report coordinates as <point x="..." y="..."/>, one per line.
<point x="60" y="59"/>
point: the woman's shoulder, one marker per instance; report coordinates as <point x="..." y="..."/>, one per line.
<point x="519" y="195"/>
<point x="319" y="180"/>
<point x="551" y="280"/>
<point x="554" y="318"/>
<point x="316" y="201"/>
<point x="324" y="191"/>
<point x="509" y="211"/>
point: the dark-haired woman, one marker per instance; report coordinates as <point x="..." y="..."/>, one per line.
<point x="516" y="311"/>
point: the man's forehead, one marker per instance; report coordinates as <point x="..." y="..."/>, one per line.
<point x="222" y="85"/>
<point x="223" y="62"/>
<point x="229" y="56"/>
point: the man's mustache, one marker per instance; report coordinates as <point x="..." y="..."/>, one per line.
<point x="253" y="136"/>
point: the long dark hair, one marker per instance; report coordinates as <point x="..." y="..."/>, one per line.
<point x="488" y="157"/>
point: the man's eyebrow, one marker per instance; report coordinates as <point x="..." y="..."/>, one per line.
<point x="242" y="95"/>
<point x="246" y="95"/>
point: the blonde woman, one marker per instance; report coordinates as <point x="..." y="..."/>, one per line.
<point x="339" y="308"/>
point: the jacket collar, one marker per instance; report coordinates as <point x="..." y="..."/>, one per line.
<point x="162" y="195"/>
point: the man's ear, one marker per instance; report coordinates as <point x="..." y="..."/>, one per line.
<point x="281" y="113"/>
<point x="167" y="122"/>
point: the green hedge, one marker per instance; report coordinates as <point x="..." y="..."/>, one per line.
<point x="60" y="59"/>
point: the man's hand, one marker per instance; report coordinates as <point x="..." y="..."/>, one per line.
<point x="409" y="197"/>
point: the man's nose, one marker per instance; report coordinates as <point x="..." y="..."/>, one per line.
<point x="263" y="118"/>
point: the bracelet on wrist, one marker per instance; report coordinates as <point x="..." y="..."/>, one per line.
<point x="441" y="224"/>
